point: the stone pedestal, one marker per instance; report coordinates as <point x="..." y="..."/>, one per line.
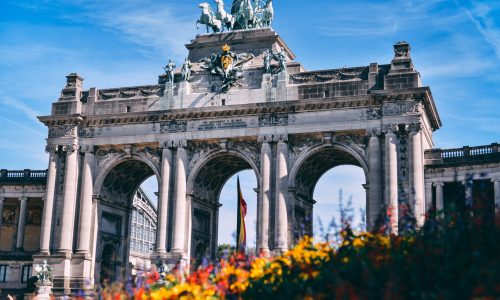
<point x="167" y="102"/>
<point x="281" y="86"/>
<point x="184" y="91"/>
<point x="43" y="290"/>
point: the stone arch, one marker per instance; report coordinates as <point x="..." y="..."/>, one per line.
<point x="114" y="162"/>
<point x="335" y="148"/>
<point x="309" y="167"/>
<point x="204" y="185"/>
<point x="212" y="156"/>
<point x="116" y="183"/>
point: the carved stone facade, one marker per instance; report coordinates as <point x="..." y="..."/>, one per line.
<point x="289" y="128"/>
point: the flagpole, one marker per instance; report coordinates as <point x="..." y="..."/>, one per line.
<point x="238" y="219"/>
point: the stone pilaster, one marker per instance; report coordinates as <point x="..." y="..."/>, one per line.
<point x="1" y="211"/>
<point x="375" y="194"/>
<point x="161" y="233"/>
<point x="496" y="187"/>
<point x="22" y="223"/>
<point x="48" y="205"/>
<point x="179" y="230"/>
<point x="391" y="175"/>
<point x="439" y="196"/>
<point x="85" y="227"/>
<point x="264" y="197"/>
<point x="416" y="166"/>
<point x="281" y="194"/>
<point x="69" y="199"/>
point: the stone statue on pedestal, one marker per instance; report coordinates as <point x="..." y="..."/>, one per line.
<point x="169" y="70"/>
<point x="44" y="272"/>
<point x="186" y="70"/>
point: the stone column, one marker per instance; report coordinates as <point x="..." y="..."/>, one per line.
<point x="265" y="196"/>
<point x="22" y="223"/>
<point x="179" y="230"/>
<point x="496" y="187"/>
<point x="48" y="205"/>
<point x="439" y="196"/>
<point x="1" y="210"/>
<point x="161" y="226"/>
<point x="416" y="166"/>
<point x="281" y="195"/>
<point x="375" y="185"/>
<point x="428" y="196"/>
<point x="468" y="184"/>
<point x="69" y="199"/>
<point x="391" y="175"/>
<point x="86" y="201"/>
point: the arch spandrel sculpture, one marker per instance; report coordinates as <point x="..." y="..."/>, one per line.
<point x="286" y="124"/>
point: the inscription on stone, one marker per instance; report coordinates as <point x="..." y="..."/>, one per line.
<point x="222" y="124"/>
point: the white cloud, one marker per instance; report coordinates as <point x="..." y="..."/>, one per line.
<point x="480" y="16"/>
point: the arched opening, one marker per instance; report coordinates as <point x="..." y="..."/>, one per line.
<point x="127" y="217"/>
<point x="228" y="210"/>
<point x="317" y="180"/>
<point x="207" y="181"/>
<point x="339" y="189"/>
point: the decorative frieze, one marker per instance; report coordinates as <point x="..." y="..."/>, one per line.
<point x="401" y="107"/>
<point x="130" y="92"/>
<point x="61" y="131"/>
<point x="273" y="119"/>
<point x="373" y="113"/>
<point x="86" y="132"/>
<point x="170" y="126"/>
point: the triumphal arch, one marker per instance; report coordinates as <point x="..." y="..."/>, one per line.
<point x="239" y="101"/>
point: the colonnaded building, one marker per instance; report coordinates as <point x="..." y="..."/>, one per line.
<point x="239" y="101"/>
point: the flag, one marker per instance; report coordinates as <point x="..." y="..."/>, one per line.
<point x="241" y="233"/>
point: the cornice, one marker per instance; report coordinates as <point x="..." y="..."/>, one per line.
<point x="422" y="94"/>
<point x="293" y="106"/>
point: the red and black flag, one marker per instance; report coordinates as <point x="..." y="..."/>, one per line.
<point x="241" y="233"/>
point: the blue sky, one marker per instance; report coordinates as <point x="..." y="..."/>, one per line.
<point x="455" y="46"/>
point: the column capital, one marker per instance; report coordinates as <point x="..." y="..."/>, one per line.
<point x="166" y="144"/>
<point x="495" y="179"/>
<point x="390" y="128"/>
<point x="415" y="127"/>
<point x="52" y="149"/>
<point x="374" y="132"/>
<point x="265" y="138"/>
<point x="87" y="149"/>
<point x="23" y="198"/>
<point x="282" y="138"/>
<point x="73" y="147"/>
<point x="180" y="143"/>
<point x="438" y="183"/>
<point x="2" y="199"/>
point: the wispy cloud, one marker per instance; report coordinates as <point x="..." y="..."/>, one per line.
<point x="480" y="16"/>
<point x="156" y="26"/>
<point x="20" y="106"/>
<point x="19" y="125"/>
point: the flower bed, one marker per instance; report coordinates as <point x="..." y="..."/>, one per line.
<point x="449" y="258"/>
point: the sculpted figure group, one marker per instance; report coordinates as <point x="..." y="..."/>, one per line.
<point x="244" y="15"/>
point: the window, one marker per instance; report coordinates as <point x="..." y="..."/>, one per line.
<point x="3" y="273"/>
<point x="26" y="273"/>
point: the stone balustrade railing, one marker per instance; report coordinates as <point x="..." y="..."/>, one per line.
<point x="23" y="176"/>
<point x="464" y="155"/>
